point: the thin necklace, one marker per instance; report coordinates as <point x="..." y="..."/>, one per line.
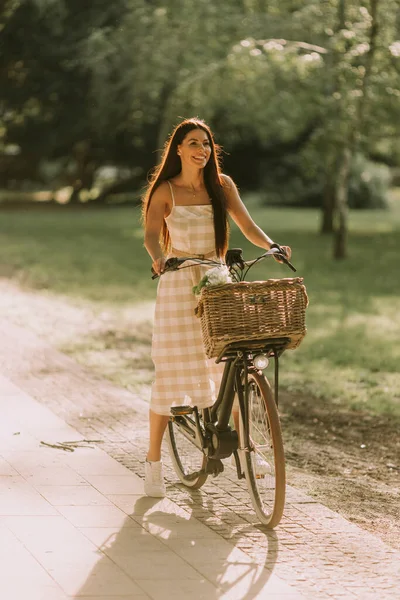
<point x="193" y="190"/>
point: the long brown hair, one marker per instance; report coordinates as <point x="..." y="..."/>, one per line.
<point x="170" y="166"/>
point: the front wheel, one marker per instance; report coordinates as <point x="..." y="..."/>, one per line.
<point x="263" y="460"/>
<point x="187" y="459"/>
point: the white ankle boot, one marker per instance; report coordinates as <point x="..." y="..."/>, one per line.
<point x="154" y="485"/>
<point x="262" y="467"/>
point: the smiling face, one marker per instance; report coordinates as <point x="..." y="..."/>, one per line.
<point x="195" y="149"/>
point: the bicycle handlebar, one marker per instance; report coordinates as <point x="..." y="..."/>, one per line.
<point x="173" y="264"/>
<point x="277" y="251"/>
<point x="233" y="259"/>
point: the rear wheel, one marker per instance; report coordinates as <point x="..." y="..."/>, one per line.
<point x="263" y="461"/>
<point x="187" y="459"/>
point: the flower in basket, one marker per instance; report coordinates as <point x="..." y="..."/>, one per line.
<point x="216" y="276"/>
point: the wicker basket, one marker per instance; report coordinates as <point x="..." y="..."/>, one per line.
<point x="251" y="311"/>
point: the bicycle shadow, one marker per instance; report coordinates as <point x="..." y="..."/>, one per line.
<point x="162" y="550"/>
<point x="232" y="571"/>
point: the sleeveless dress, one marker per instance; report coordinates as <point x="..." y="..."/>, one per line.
<point x="183" y="373"/>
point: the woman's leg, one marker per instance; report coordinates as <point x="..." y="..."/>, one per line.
<point x="158" y="424"/>
<point x="235" y="414"/>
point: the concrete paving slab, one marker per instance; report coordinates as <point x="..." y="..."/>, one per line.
<point x="76" y="532"/>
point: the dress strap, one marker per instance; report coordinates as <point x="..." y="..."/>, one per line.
<point x="172" y="193"/>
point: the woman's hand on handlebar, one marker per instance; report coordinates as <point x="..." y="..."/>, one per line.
<point x="286" y="250"/>
<point x="158" y="265"/>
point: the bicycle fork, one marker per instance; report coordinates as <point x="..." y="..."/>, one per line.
<point x="242" y="390"/>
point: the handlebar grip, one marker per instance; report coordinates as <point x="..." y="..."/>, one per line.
<point x="171" y="264"/>
<point x="277" y="246"/>
<point x="289" y="264"/>
<point x="282" y="256"/>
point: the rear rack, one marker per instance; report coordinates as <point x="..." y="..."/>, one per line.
<point x="269" y="346"/>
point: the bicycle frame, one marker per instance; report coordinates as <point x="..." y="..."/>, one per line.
<point x="214" y="437"/>
<point x="215" y="417"/>
<point x="222" y="408"/>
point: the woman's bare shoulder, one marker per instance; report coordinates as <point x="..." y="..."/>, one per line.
<point x="162" y="193"/>
<point x="227" y="181"/>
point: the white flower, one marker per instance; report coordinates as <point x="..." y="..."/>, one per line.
<point x="215" y="276"/>
<point x="218" y="276"/>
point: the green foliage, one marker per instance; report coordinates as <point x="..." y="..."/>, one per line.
<point x="99" y="83"/>
<point x="45" y="81"/>
<point x="296" y="182"/>
<point x="369" y="184"/>
<point x="174" y="44"/>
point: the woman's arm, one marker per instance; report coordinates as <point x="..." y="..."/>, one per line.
<point x="243" y="220"/>
<point x="158" y="209"/>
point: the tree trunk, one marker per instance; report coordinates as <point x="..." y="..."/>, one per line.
<point x="328" y="207"/>
<point x="329" y="198"/>
<point x="363" y="106"/>
<point x="340" y="237"/>
<point x="85" y="168"/>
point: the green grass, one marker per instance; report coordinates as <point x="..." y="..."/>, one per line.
<point x="351" y="353"/>
<point x="95" y="255"/>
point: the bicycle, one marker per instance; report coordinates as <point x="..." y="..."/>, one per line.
<point x="199" y="440"/>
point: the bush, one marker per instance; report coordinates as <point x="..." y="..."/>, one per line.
<point x="291" y="183"/>
<point x="369" y="184"/>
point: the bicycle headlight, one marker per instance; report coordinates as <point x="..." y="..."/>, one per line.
<point x="261" y="362"/>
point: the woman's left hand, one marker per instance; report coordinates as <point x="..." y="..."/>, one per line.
<point x="287" y="251"/>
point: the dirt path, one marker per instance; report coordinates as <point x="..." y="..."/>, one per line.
<point x="348" y="461"/>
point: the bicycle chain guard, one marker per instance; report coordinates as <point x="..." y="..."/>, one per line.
<point x="220" y="444"/>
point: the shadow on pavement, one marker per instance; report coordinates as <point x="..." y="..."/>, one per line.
<point x="171" y="555"/>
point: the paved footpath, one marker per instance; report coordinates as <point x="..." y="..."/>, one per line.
<point x="75" y="524"/>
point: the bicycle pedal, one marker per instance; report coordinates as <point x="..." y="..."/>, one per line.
<point x="182" y="410"/>
<point x="214" y="466"/>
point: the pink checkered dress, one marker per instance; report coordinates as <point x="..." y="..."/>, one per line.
<point x="183" y="374"/>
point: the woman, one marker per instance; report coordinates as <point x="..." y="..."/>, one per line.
<point x="186" y="210"/>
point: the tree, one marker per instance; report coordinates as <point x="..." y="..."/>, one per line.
<point x="45" y="82"/>
<point x="331" y="74"/>
<point x="336" y="78"/>
<point x="284" y="82"/>
<point x="133" y="90"/>
<point x="362" y="67"/>
<point x="193" y="58"/>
